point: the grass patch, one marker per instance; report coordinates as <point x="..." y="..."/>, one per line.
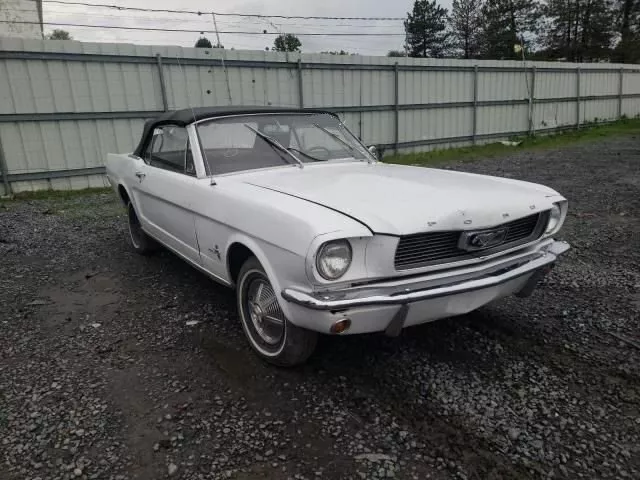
<point x="56" y="194"/>
<point x="467" y="154"/>
<point x="79" y="211"/>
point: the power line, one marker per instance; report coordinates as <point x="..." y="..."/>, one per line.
<point x="256" y="21"/>
<point x="151" y="29"/>
<point x="186" y="38"/>
<point x="230" y="43"/>
<point x="72" y="14"/>
<point x="157" y="38"/>
<point x="232" y="14"/>
<point x="227" y="23"/>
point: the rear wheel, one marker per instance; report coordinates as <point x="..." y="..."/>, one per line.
<point x="140" y="241"/>
<point x="270" y="334"/>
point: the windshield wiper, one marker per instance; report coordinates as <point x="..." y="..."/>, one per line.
<point x="310" y="157"/>
<point x="275" y="143"/>
<point x="336" y="137"/>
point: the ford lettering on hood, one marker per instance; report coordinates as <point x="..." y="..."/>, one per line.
<point x="400" y="200"/>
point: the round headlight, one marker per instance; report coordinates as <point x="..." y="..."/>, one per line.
<point x="554" y="218"/>
<point x="333" y="259"/>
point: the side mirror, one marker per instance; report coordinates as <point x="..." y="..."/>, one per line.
<point x="373" y="150"/>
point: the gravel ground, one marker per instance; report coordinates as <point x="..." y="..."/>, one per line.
<point x="115" y="366"/>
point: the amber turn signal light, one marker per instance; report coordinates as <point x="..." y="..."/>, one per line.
<point x="341" y="326"/>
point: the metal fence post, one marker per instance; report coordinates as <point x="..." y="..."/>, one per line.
<point x="475" y="104"/>
<point x="620" y="92"/>
<point x="300" y="88"/>
<point x="396" y="106"/>
<point x="163" y="88"/>
<point x="532" y="101"/>
<point x="4" y="172"/>
<point x="578" y="101"/>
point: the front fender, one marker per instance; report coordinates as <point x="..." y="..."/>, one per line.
<point x="283" y="267"/>
<point x="119" y="170"/>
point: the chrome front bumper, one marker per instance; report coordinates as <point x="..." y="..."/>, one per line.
<point x="413" y="291"/>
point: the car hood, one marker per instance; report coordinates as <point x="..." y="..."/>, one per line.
<point x="401" y="200"/>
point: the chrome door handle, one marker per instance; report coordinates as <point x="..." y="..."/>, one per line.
<point x="140" y="175"/>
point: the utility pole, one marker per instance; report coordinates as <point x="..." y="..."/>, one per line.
<point x="226" y="72"/>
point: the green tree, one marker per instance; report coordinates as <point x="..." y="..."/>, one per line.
<point x="58" y="34"/>
<point x="507" y="23"/>
<point x="466" y="23"/>
<point x="287" y="42"/>
<point x="427" y="30"/>
<point x="395" y="53"/>
<point x="628" y="27"/>
<point x="203" y="42"/>
<point x="579" y="30"/>
<point x="336" y="52"/>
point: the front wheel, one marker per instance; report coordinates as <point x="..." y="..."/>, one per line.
<point x="270" y="334"/>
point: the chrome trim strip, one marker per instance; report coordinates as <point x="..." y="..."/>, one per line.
<point x="232" y="115"/>
<point x="438" y="278"/>
<point x="346" y="299"/>
<point x="195" y="124"/>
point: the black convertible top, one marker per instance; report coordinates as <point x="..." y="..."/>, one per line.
<point x="187" y="116"/>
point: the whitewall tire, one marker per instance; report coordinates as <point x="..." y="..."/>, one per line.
<point x="270" y="334"/>
<point x="140" y="241"/>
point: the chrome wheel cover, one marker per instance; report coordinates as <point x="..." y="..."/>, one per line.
<point x="262" y="308"/>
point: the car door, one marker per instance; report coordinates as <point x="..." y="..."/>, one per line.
<point x="164" y="191"/>
<point x="223" y="142"/>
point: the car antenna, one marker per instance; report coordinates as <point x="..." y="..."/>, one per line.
<point x="193" y="112"/>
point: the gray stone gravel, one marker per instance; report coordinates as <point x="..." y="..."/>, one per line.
<point x="114" y="366"/>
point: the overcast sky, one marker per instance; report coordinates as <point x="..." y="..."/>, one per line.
<point x="365" y="45"/>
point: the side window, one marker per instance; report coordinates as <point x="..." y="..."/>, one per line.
<point x="190" y="167"/>
<point x="169" y="149"/>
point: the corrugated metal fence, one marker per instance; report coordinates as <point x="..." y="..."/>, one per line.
<point x="64" y="105"/>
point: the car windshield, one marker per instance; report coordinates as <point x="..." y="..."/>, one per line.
<point x="248" y="142"/>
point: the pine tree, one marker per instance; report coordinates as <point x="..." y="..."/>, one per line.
<point x="466" y="20"/>
<point x="507" y="23"/>
<point x="628" y="27"/>
<point x="579" y="30"/>
<point x="427" y="30"/>
<point x="598" y="30"/>
<point x="559" y="38"/>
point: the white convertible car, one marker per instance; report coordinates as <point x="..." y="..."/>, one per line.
<point x="317" y="236"/>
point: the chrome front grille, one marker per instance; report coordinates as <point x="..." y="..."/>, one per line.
<point x="523" y="228"/>
<point x="424" y="249"/>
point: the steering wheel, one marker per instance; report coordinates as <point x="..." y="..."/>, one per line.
<point x="324" y="153"/>
<point x="230" y="152"/>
